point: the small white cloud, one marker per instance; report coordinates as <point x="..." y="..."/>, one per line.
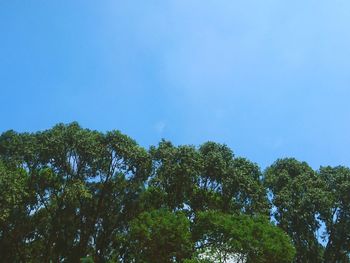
<point x="160" y="127"/>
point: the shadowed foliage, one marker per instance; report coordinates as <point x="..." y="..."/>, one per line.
<point x="70" y="194"/>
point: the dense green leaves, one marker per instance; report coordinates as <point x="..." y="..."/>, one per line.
<point x="70" y="194"/>
<point x="297" y="196"/>
<point x="82" y="186"/>
<point x="337" y="213"/>
<point x="14" y="213"/>
<point x="160" y="236"/>
<point x="252" y="239"/>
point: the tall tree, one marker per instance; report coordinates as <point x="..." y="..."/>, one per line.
<point x="297" y="197"/>
<point x="232" y="184"/>
<point x="85" y="186"/>
<point x="176" y="171"/>
<point x="337" y="214"/>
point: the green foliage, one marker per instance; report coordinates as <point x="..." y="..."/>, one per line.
<point x="298" y="196"/>
<point x="176" y="171"/>
<point x="82" y="189"/>
<point x="67" y="193"/>
<point x="160" y="236"/>
<point x="336" y="214"/>
<point x="87" y="260"/>
<point x="208" y="178"/>
<point x="13" y="191"/>
<point x="253" y="239"/>
<point x="14" y="201"/>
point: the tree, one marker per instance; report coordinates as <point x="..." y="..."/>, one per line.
<point x="84" y="187"/>
<point x="176" y="171"/>
<point x="160" y="236"/>
<point x="207" y="178"/>
<point x="241" y="237"/>
<point x="14" y="213"/>
<point x="298" y="197"/>
<point x="69" y="193"/>
<point x="337" y="214"/>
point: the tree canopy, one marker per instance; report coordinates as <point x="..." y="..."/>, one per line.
<point x="70" y="194"/>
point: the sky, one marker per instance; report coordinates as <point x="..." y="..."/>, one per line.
<point x="271" y="79"/>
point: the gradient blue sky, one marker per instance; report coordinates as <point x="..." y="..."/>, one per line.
<point x="269" y="78"/>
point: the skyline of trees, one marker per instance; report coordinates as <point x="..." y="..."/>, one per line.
<point x="68" y="192"/>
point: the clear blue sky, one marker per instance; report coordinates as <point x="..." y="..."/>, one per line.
<point x="269" y="78"/>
